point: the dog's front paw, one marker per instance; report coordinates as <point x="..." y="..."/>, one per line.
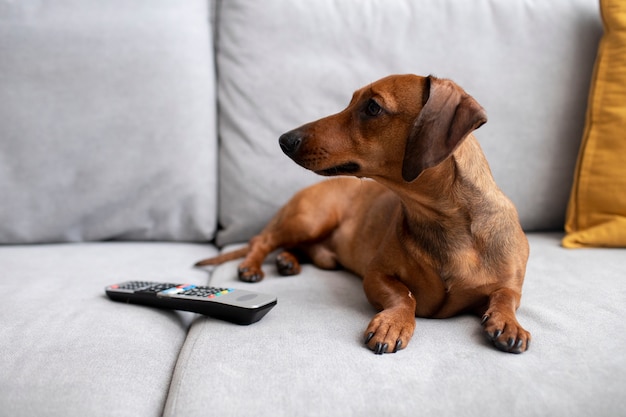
<point x="389" y="331"/>
<point x="505" y="332"/>
<point x="250" y="273"/>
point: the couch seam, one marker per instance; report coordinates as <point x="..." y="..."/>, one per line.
<point x="181" y="363"/>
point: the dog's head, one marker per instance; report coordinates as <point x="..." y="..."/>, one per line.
<point x="396" y="127"/>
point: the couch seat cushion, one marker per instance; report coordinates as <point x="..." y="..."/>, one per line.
<point x="307" y="358"/>
<point x="67" y="350"/>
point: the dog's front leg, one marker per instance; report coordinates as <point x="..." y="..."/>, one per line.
<point x="392" y="328"/>
<point x="500" y="324"/>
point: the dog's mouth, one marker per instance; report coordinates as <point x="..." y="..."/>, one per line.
<point x="343" y="169"/>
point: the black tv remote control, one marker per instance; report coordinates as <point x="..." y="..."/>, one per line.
<point x="230" y="304"/>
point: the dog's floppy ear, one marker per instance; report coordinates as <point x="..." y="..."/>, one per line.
<point x="448" y="115"/>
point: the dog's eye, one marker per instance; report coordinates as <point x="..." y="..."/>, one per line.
<point x="373" y="109"/>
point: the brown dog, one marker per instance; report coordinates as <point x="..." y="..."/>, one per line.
<point x="431" y="236"/>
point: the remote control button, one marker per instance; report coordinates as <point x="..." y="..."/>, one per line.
<point x="246" y="297"/>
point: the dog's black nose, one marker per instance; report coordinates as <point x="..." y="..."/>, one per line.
<point x="290" y="142"/>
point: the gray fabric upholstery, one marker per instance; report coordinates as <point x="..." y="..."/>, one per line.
<point x="108" y="121"/>
<point x="307" y="358"/>
<point x="67" y="350"/>
<point x="308" y="57"/>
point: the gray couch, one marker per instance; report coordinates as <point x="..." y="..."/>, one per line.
<point x="139" y="137"/>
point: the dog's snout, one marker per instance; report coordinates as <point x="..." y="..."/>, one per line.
<point x="290" y="142"/>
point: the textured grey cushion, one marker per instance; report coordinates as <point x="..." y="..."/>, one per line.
<point x="67" y="350"/>
<point x="284" y="63"/>
<point x="107" y="121"/>
<point x="307" y="358"/>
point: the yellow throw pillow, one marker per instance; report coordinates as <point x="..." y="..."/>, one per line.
<point x="596" y="214"/>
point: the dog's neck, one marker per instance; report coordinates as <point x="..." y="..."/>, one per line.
<point x="449" y="190"/>
<point x="429" y="196"/>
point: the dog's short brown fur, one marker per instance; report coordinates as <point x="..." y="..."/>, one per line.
<point x="431" y="236"/>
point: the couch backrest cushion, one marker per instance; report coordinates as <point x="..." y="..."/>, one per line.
<point x="284" y="63"/>
<point x="107" y="121"/>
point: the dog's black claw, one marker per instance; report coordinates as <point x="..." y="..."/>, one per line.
<point x="512" y="345"/>
<point x="517" y="347"/>
<point x="380" y="348"/>
<point x="285" y="269"/>
<point x="243" y="275"/>
<point x="398" y="346"/>
<point x="287" y="264"/>
<point x="484" y="320"/>
<point x="369" y="337"/>
<point x="500" y="346"/>
<point x="496" y="334"/>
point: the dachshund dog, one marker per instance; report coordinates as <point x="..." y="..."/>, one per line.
<point x="423" y="223"/>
